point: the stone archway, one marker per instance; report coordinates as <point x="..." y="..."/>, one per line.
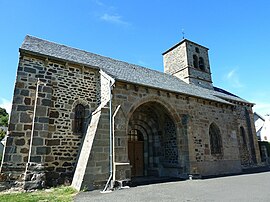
<point x="152" y="146"/>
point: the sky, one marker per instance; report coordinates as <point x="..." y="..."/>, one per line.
<point x="235" y="31"/>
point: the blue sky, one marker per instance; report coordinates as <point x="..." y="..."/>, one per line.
<point x="236" y="32"/>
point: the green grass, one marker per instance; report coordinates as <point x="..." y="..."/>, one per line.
<point x="61" y="194"/>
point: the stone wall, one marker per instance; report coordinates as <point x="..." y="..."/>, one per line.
<point x="192" y="117"/>
<point x="174" y="64"/>
<point x="43" y="146"/>
<point x="179" y="62"/>
<point x="202" y="161"/>
<point x="202" y="52"/>
<point x="92" y="169"/>
<point x="249" y="149"/>
<point x="46" y="93"/>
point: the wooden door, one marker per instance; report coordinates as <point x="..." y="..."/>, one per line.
<point x="135" y="154"/>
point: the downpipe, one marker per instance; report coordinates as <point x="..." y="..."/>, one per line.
<point x="113" y="142"/>
<point x="111" y="179"/>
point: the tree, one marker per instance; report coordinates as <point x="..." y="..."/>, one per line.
<point x="2" y="134"/>
<point x="3" y="111"/>
<point x="3" y="121"/>
<point x="3" y="117"/>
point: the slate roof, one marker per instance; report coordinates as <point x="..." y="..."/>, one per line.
<point x="123" y="71"/>
<point x="259" y="116"/>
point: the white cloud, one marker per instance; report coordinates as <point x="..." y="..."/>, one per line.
<point x="6" y="104"/>
<point x="98" y="2"/>
<point x="233" y="79"/>
<point x="108" y="13"/>
<point x="115" y="19"/>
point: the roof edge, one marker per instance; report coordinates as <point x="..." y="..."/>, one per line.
<point x="21" y="50"/>
<point x="259" y="116"/>
<point x="179" y="43"/>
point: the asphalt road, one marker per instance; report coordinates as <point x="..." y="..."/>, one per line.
<point x="247" y="188"/>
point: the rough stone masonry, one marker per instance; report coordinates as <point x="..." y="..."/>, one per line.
<point x="169" y="124"/>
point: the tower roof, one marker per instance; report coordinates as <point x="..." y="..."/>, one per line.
<point x="182" y="41"/>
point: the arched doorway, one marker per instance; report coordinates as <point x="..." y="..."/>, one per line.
<point x="152" y="145"/>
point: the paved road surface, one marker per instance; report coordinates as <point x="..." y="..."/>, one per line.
<point x="247" y="188"/>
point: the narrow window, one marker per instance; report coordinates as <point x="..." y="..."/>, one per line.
<point x="215" y="139"/>
<point x="197" y="50"/>
<point x="243" y="137"/>
<point x="195" y="61"/>
<point x="79" y="119"/>
<point x="201" y="64"/>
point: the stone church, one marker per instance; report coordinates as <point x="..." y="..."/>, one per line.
<point x="86" y="119"/>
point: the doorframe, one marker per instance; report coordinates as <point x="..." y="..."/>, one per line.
<point x="145" y="147"/>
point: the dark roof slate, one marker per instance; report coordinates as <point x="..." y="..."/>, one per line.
<point x="122" y="71"/>
<point x="259" y="116"/>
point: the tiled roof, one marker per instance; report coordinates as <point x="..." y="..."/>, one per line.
<point x="122" y="71"/>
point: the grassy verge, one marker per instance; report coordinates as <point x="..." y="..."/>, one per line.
<point x="63" y="194"/>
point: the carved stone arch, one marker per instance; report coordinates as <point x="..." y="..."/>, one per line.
<point x="149" y="129"/>
<point x="82" y="102"/>
<point x="171" y="111"/>
<point x="161" y="123"/>
<point x="145" y="121"/>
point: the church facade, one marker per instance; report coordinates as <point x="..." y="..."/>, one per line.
<point x="86" y="119"/>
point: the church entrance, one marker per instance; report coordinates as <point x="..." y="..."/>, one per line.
<point x="135" y="153"/>
<point x="152" y="142"/>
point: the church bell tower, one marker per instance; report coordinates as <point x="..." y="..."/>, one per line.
<point x="189" y="62"/>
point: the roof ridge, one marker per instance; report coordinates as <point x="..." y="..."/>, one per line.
<point x="120" y="70"/>
<point x="87" y="52"/>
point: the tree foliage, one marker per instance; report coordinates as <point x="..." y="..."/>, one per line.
<point x="3" y="121"/>
<point x="2" y="134"/>
<point x="3" y="117"/>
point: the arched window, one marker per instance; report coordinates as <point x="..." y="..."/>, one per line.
<point x="79" y="119"/>
<point x="195" y="61"/>
<point x="201" y="64"/>
<point x="215" y="139"/>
